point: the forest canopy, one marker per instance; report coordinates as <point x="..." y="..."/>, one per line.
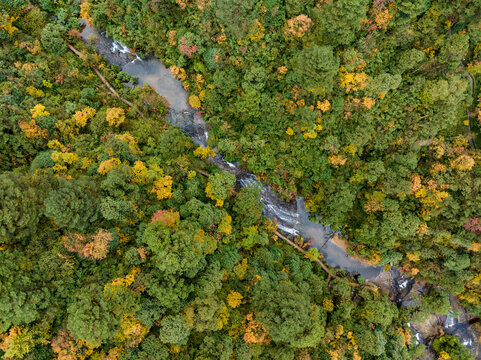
<point x="119" y="239"/>
<point x="367" y="109"/>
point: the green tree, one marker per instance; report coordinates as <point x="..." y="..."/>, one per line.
<point x="20" y="207"/>
<point x="235" y="15"/>
<point x="341" y="20"/>
<point x="248" y="206"/>
<point x="451" y="346"/>
<point x="52" y="39"/>
<point x="90" y="317"/>
<point x="370" y="342"/>
<point x="220" y="186"/>
<point x="436" y="302"/>
<point x="201" y="314"/>
<point x="378" y="312"/>
<point x="72" y="205"/>
<point x="24" y="292"/>
<point x="178" y="251"/>
<point x="315" y="68"/>
<point x="410" y="59"/>
<point x="34" y="21"/>
<point x="174" y="330"/>
<point x="116" y="210"/>
<point x="412" y="8"/>
<point x="284" y="311"/>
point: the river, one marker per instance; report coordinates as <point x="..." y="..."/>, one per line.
<point x="292" y="217"/>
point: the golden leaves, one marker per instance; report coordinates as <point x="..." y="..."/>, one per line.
<point x="6" y="23"/>
<point x="163" y="188"/>
<point x="38" y="110"/>
<point x="328" y="305"/>
<point x="85" y="11"/>
<point x="255" y="332"/>
<point x="210" y="195"/>
<point x="324" y="106"/>
<point x="172" y="34"/>
<point x="32" y="130"/>
<point x="225" y="225"/>
<point x="463" y="162"/>
<point x="115" y="116"/>
<point x="82" y="116"/>
<point x="34" y="92"/>
<point x="234" y="299"/>
<point x="178" y="72"/>
<point x="337" y="160"/>
<point x="282" y="70"/>
<point x="107" y="165"/>
<point x="62" y="159"/>
<point x="382" y="18"/>
<point x="194" y="101"/>
<point x="139" y="172"/>
<point x="352" y="81"/>
<point x="257" y="31"/>
<point x="204" y="152"/>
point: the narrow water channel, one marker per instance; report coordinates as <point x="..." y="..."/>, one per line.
<point x="292" y="217"/>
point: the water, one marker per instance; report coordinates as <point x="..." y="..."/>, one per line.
<point x="292" y="217"/>
<point x="458" y="325"/>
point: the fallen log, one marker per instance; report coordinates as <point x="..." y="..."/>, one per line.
<point x="324" y="266"/>
<point x="102" y="78"/>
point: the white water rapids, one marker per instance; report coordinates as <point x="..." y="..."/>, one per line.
<point x="292" y="217"/>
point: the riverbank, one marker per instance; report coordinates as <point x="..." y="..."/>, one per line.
<point x="292" y="217"/>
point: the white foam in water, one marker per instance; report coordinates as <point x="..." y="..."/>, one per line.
<point x="467" y="342"/>
<point x="153" y="72"/>
<point x="449" y="321"/>
<point x="284" y="213"/>
<point x="117" y="46"/>
<point x="288" y="230"/>
<point x="251" y="182"/>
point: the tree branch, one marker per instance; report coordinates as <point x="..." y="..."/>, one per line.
<point x="324" y="266"/>
<point x="102" y="78"/>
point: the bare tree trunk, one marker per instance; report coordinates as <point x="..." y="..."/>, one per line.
<point x="110" y="87"/>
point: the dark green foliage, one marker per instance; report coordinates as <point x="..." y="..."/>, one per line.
<point x="235" y="15"/>
<point x="23" y="294"/>
<point x="162" y="242"/>
<point x="174" y="330"/>
<point x="52" y="39"/>
<point x="21" y="206"/>
<point x="451" y="345"/>
<point x="90" y="316"/>
<point x="34" y="21"/>
<point x="285" y="312"/>
<point x="248" y="206"/>
<point x="346" y="109"/>
<point x="315" y="67"/>
<point x="340" y="20"/>
<point x="72" y="205"/>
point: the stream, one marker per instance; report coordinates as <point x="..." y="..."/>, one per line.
<point x="292" y="217"/>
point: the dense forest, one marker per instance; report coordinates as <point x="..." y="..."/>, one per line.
<point x="368" y="109"/>
<point x="120" y="240"/>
